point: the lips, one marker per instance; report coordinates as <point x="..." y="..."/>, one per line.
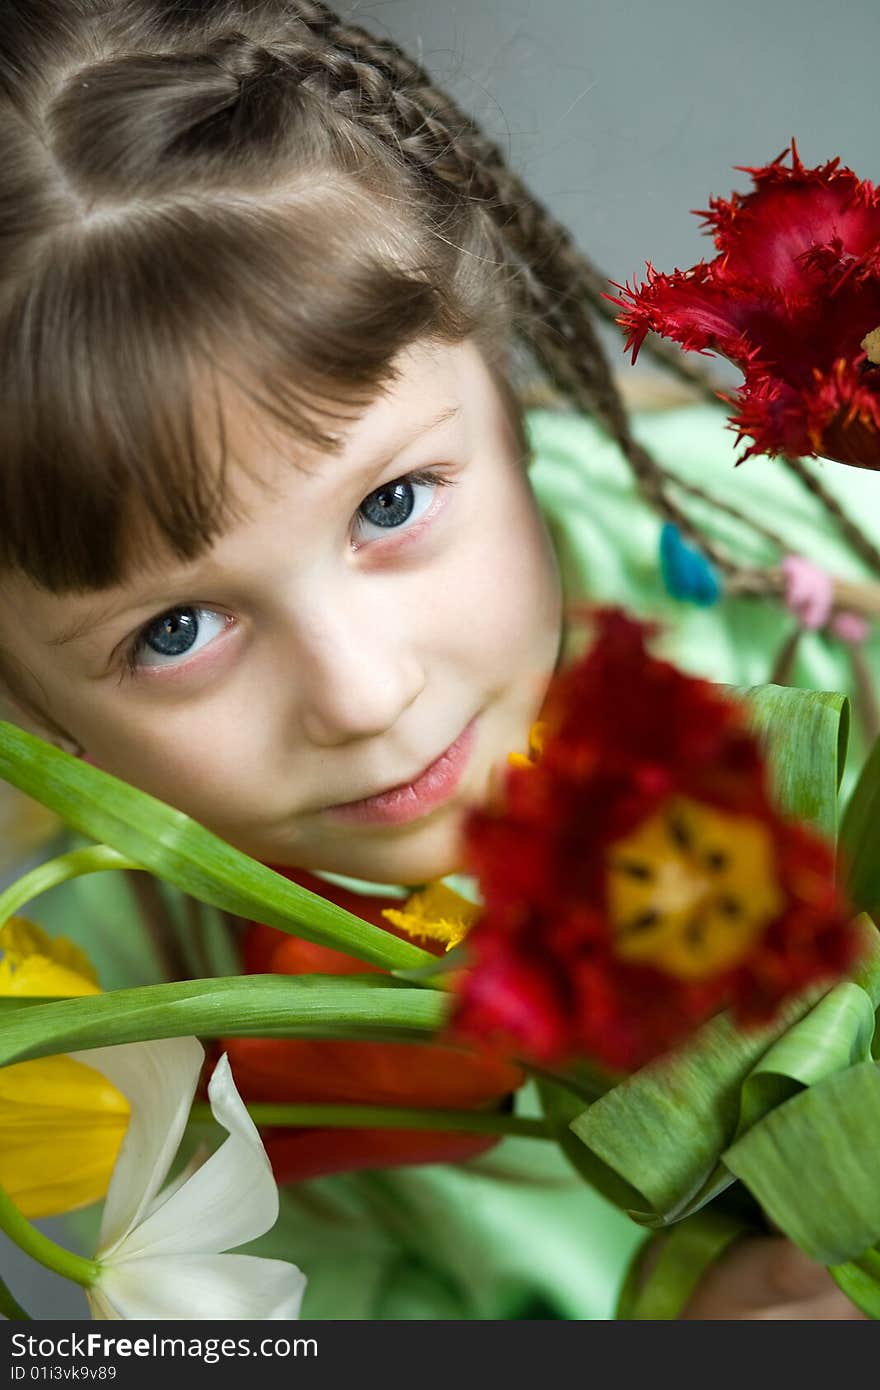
<point x="409" y="801"/>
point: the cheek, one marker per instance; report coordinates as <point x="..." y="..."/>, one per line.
<point x="203" y="762"/>
<point x="503" y="592"/>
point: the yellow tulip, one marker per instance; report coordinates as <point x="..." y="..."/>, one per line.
<point x="35" y="963"/>
<point x="61" y="1122"/>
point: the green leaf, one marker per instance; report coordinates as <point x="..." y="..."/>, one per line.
<point x="860" y="837"/>
<point x="867" y="973"/>
<point x="805" y="733"/>
<point x="11" y="1003"/>
<point x="686" y="1254"/>
<point x="663" y="1129"/>
<point x="812" y="1164"/>
<point x="860" y="1281"/>
<point x="837" y="1033"/>
<point x="185" y="854"/>
<point x="561" y="1107"/>
<point x="366" y="1007"/>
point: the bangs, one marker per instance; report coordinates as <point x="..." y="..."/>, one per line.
<point x="108" y="345"/>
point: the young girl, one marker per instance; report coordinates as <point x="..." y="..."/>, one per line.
<point x="270" y="548"/>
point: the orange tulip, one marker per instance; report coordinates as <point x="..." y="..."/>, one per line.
<point x="357" y="1073"/>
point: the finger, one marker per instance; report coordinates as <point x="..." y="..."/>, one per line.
<point x="790" y="1274"/>
<point x="827" y="1307"/>
<point x="758" y="1273"/>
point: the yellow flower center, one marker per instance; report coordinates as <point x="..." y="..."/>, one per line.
<point x="870" y="344"/>
<point x="691" y="890"/>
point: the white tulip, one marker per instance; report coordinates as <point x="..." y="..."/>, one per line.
<point x="160" y="1251"/>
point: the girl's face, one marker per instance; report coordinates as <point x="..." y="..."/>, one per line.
<point x="368" y="611"/>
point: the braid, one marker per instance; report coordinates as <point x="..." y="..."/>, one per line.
<point x="392" y="95"/>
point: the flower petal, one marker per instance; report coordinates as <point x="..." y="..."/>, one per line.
<point x="35" y="963"/>
<point x="793" y="299"/>
<point x="230" y="1199"/>
<point x="61" y="1125"/>
<point x="201" y="1155"/>
<point x="300" y="1154"/>
<point x="159" y="1080"/>
<point x="768" y="234"/>
<point x="689" y="307"/>
<point x="199" y="1286"/>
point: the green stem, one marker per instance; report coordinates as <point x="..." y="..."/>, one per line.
<point x="9" y="1307"/>
<point x="66" y="866"/>
<point x="42" y="1249"/>
<point x="386" y="1117"/>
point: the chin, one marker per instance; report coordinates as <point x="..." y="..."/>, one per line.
<point x="413" y="855"/>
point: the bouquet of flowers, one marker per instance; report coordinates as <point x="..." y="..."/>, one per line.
<point x="674" y="938"/>
<point x="665" y="943"/>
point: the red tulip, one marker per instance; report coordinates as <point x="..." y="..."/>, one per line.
<point x="638" y="878"/>
<point x="793" y="298"/>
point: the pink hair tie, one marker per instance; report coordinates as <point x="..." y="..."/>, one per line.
<point x="849" y="627"/>
<point x="809" y="592"/>
<point x="809" y="596"/>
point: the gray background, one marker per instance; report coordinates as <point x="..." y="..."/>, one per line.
<point x="622" y="115"/>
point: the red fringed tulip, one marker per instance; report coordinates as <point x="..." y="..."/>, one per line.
<point x="356" y="1073"/>
<point x="637" y="877"/>
<point x="793" y="298"/>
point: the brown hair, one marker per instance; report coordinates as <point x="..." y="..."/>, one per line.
<point x="199" y="189"/>
<point x="197" y="192"/>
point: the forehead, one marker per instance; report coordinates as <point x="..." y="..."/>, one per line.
<point x="427" y="384"/>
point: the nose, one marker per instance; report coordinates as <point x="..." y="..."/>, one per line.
<point x="356" y="670"/>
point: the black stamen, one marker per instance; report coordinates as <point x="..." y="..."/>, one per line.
<point x="729" y="906"/>
<point x="679" y="832"/>
<point x="634" y="869"/>
<point x="716" y="860"/>
<point x="695" y="934"/>
<point x="642" y="922"/>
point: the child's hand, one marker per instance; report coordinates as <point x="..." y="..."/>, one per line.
<point x="767" y="1277"/>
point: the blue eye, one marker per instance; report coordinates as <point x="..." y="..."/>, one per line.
<point x="399" y="501"/>
<point x="178" y="633"/>
<point x="390" y="505"/>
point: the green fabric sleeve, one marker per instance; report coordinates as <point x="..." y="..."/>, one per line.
<point x="607" y="540"/>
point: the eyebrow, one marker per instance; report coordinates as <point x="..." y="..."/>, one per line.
<point x="88" y="621"/>
<point x="381" y="460"/>
<point x="441" y="418"/>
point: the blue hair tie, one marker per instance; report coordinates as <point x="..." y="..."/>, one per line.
<point x="687" y="574"/>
